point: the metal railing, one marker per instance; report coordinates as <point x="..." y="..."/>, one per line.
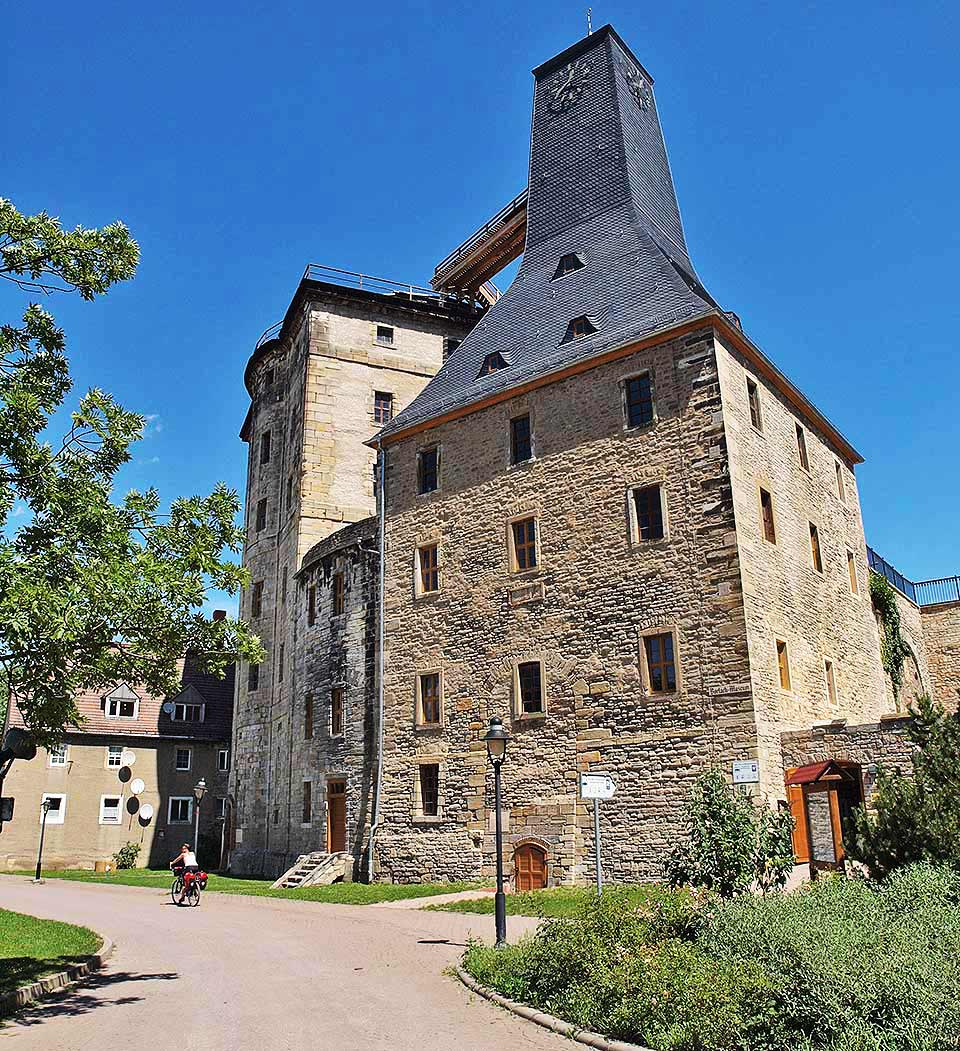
<point x="268" y="334"/>
<point x="380" y="285"/>
<point x="921" y="592"/>
<point x="898" y="580"/>
<point x="475" y="238"/>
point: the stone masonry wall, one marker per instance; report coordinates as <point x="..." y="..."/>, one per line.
<point x="582" y="612"/>
<point x="941" y="626"/>
<point x="916" y="669"/>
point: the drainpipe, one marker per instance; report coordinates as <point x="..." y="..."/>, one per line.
<point x="374" y="825"/>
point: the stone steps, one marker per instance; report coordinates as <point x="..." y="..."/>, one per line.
<point x="314" y="869"/>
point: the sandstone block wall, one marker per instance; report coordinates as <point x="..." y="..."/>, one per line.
<point x="941" y="628"/>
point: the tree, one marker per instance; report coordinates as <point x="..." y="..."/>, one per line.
<point x="730" y="844"/>
<point x="915" y="818"/>
<point x="93" y="591"/>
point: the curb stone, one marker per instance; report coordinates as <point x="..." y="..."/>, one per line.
<point x="52" y="982"/>
<point x="583" y="1036"/>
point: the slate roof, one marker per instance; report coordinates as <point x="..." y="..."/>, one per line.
<point x="599" y="185"/>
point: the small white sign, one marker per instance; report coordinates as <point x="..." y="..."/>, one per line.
<point x="597" y="786"/>
<point x="746" y="772"/>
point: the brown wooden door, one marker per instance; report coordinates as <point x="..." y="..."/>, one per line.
<point x="336" y="817"/>
<point x="529" y="867"/>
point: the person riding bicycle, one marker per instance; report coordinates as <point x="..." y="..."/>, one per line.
<point x="185" y="861"/>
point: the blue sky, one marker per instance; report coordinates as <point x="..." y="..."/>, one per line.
<point x="813" y="147"/>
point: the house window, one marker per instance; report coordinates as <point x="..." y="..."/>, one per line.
<point x="307" y="802"/>
<point x="852" y="573"/>
<point x="256" y="599"/>
<point x="261" y="522"/>
<point x="221" y="809"/>
<point x="753" y="396"/>
<point x="110" y="810"/>
<point x="311" y="604"/>
<point x="339" y="601"/>
<point x="289" y="493"/>
<point x="521" y="447"/>
<point x="114" y="756"/>
<point x="280" y="662"/>
<point x="568" y="263"/>
<point x="382" y="407"/>
<point x="841" y="490"/>
<point x="831" y="683"/>
<point x="429" y="775"/>
<point x="57" y="810"/>
<point x="308" y="719"/>
<point x="428" y="568"/>
<point x="638" y="400"/>
<point x="253" y="677"/>
<point x="766" y="516"/>
<point x="283" y="587"/>
<point x="188" y="713"/>
<point x="530" y="688"/>
<point x="428" y="470"/>
<point x="336" y="711"/>
<point x="265" y="447"/>
<point x="661" y="663"/>
<point x="223" y="759"/>
<point x="648" y="513"/>
<point x="802" y="448"/>
<point x="385" y="335"/>
<point x="58" y="755"/>
<point x="183" y="759"/>
<point x="493" y="362"/>
<point x="783" y="663"/>
<point x="524" y="534"/>
<point x="180" y="810"/>
<point x="429" y="688"/>
<point x="578" y="328"/>
<point x="815" y="548"/>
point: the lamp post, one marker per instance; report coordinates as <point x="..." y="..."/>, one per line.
<point x="496" y="739"/>
<point x="45" y="806"/>
<point x="199" y="790"/>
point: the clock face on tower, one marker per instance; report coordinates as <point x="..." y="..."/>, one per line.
<point x="567" y="86"/>
<point x="639" y="88"/>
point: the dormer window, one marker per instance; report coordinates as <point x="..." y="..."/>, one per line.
<point x="578" y="328"/>
<point x="122" y="703"/>
<point x="568" y="263"/>
<point x="492" y="363"/>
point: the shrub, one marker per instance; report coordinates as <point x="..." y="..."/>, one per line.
<point x="126" y="856"/>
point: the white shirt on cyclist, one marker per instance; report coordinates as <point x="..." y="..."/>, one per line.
<point x="189" y="858"/>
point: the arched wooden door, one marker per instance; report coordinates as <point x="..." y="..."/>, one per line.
<point x="529" y="867"/>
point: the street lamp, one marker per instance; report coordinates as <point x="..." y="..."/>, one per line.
<point x="199" y="790"/>
<point x="45" y="806"/>
<point x="496" y="739"/>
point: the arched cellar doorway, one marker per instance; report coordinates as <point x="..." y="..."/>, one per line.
<point x="529" y="867"/>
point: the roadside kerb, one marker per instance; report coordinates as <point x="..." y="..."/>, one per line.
<point x="583" y="1036"/>
<point x="52" y="982"/>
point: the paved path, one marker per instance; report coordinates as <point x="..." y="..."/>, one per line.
<point x="263" y="974"/>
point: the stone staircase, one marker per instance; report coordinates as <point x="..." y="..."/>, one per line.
<point x="310" y="870"/>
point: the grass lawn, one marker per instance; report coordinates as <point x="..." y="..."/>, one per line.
<point x="337" y="893"/>
<point x="31" y="948"/>
<point x="557" y="901"/>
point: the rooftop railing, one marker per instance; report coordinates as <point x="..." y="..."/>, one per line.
<point x="383" y="286"/>
<point x="921" y="592"/>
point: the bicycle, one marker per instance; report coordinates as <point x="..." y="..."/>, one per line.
<point x="186" y="888"/>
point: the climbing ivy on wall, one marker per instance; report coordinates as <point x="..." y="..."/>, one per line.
<point x="894" y="648"/>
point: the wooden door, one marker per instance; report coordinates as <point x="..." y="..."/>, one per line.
<point x="336" y="817"/>
<point x="529" y="867"/>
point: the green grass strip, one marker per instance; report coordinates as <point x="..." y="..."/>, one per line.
<point x="31" y="948"/>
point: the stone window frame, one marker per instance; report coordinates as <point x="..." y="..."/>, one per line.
<point x="61" y="752"/>
<point x="306" y="804"/>
<point x="311" y="603"/>
<point x="340" y="690"/>
<point x="633" y="525"/>
<point x="425" y="448"/>
<point x="516" y="413"/>
<point x="265" y="449"/>
<point x="418" y="720"/>
<point x="176" y="759"/>
<point x="54" y="817"/>
<point x="766" y="487"/>
<point x="815" y="547"/>
<point x="422" y="545"/>
<point x="803" y="453"/>
<point x="516" y="701"/>
<point x="189" y="800"/>
<point x="253" y="678"/>
<point x="281" y="657"/>
<point x="668" y="628"/>
<point x="383" y="409"/>
<point x="118" y="796"/>
<point x="841" y="482"/>
<point x="417" y="816"/>
<point x="831" y="691"/>
<point x="256" y="599"/>
<point x="338" y="593"/>
<point x="777" y="643"/>
<point x="512" y="566"/>
<point x="754" y="403"/>
<point x="853" y="573"/>
<point x="622" y="381"/>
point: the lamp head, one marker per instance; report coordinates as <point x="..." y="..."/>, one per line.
<point x="496" y="738"/>
<point x="199" y="789"/>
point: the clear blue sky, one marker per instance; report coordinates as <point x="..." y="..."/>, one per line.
<point x="813" y="146"/>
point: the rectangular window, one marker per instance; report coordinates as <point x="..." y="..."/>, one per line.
<point x="385" y="334"/>
<point x="180" y="810"/>
<point x="648" y="512"/>
<point x="307" y="802"/>
<point x="283" y="587"/>
<point x="308" y="719"/>
<point x="521" y="447"/>
<point x="382" y="406"/>
<point x="183" y="759"/>
<point x="187" y="713"/>
<point x="638" y="400"/>
<point x="841" y="490"/>
<point x="429" y="789"/>
<point x="428" y="470"/>
<point x="58" y="755"/>
<point x="852" y="573"/>
<point x="57" y="810"/>
<point x="530" y="684"/>
<point x="429" y="699"/>
<point x="289" y="493"/>
<point x="221" y="809"/>
<point x="223" y="759"/>
<point x="815" y="558"/>
<point x="766" y="515"/>
<point x="110" y="810"/>
<point x="336" y="711"/>
<point x="311" y="604"/>
<point x="753" y="396"/>
<point x="783" y="663"/>
<point x="428" y="568"/>
<point x="802" y="448"/>
<point x="114" y="756"/>
<point x="831" y="683"/>
<point x="339" y="592"/>
<point x="661" y="663"/>
<point x="117" y="708"/>
<point x="280" y="654"/>
<point x="256" y="598"/>
<point x="261" y="523"/>
<point x="253" y="677"/>
<point x="524" y="544"/>
<point x="265" y="447"/>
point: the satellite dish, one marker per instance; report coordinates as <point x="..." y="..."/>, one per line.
<point x="127" y="757"/>
<point x="146" y="812"/>
<point x="167" y="707"/>
<point x="136" y="786"/>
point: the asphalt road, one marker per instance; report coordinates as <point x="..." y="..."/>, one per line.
<point x="255" y="973"/>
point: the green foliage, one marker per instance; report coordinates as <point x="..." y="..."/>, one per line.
<point x="126" y="856"/>
<point x="914" y="818"/>
<point x="894" y="648"/>
<point x="555" y="901"/>
<point x="730" y="844"/>
<point x="837" y="965"/>
<point x="92" y="592"/>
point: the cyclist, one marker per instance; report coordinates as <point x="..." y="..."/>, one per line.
<point x="185" y="861"/>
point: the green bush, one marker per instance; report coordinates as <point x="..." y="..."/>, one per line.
<point x="126" y="856"/>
